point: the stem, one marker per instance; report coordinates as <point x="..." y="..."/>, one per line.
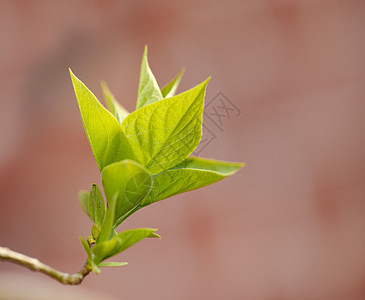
<point x="35" y="265"/>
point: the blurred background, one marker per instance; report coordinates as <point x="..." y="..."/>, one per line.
<point x="290" y="225"/>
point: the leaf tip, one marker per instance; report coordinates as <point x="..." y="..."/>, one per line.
<point x="73" y="77"/>
<point x="155" y="235"/>
<point x="240" y="165"/>
<point x="71" y="73"/>
<point x="181" y="73"/>
<point x="205" y="82"/>
<point x="103" y="85"/>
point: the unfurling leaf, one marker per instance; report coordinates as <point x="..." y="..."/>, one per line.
<point x="106" y="249"/>
<point x="132" y="236"/>
<point x="96" y="205"/>
<point x="107" y="139"/>
<point x="143" y="157"/>
<point x="113" y="105"/>
<point x="112" y="264"/>
<point x="224" y="168"/>
<point x="191" y="174"/>
<point x="86" y="247"/>
<point x="169" y="89"/>
<point x="131" y="181"/>
<point x="164" y="133"/>
<point x="148" y="90"/>
<point x="84" y="201"/>
<point x="107" y="230"/>
<point x="95" y="230"/>
<point x="121" y="242"/>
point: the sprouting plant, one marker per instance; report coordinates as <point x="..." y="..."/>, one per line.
<point x="143" y="157"/>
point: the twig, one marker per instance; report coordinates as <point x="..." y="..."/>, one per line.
<point x="35" y="265"/>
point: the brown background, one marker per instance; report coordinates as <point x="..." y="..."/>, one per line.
<point x="290" y="225"/>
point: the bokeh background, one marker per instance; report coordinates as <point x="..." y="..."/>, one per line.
<point x="290" y="225"/>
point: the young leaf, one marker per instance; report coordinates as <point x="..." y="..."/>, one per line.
<point x="113" y="105"/>
<point x="108" y="141"/>
<point x="106" y="249"/>
<point x="225" y="168"/>
<point x="131" y="181"/>
<point x="90" y="238"/>
<point x="169" y="89"/>
<point x="148" y="90"/>
<point x="112" y="264"/>
<point x="164" y="133"/>
<point x="95" y="230"/>
<point x="86" y="247"/>
<point x="96" y="205"/>
<point x="107" y="230"/>
<point x="191" y="174"/>
<point x="84" y="201"/>
<point x="120" y="243"/>
<point x="132" y="236"/>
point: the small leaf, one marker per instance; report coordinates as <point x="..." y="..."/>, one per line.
<point x="106" y="249"/>
<point x="191" y="174"/>
<point x="107" y="139"/>
<point x="96" y="205"/>
<point x="169" y="89"/>
<point x="225" y="168"/>
<point x="86" y="246"/>
<point x="120" y="243"/>
<point x="164" y="133"/>
<point x="132" y="236"/>
<point x="95" y="230"/>
<point x="84" y="201"/>
<point x="112" y="264"/>
<point x="113" y="105"/>
<point x="131" y="181"/>
<point x="107" y="230"/>
<point x="148" y="90"/>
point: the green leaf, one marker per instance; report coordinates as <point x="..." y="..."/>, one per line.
<point x="120" y="242"/>
<point x="131" y="181"/>
<point x="132" y="236"/>
<point x="107" y="139"/>
<point x="107" y="230"/>
<point x="96" y="205"/>
<point x="169" y="89"/>
<point x="148" y="90"/>
<point x="113" y="105"/>
<point x="225" y="168"/>
<point x="84" y="201"/>
<point x="106" y="249"/>
<point x="112" y="264"/>
<point x="191" y="174"/>
<point x="154" y="235"/>
<point x="95" y="230"/>
<point x="164" y="133"/>
<point x="86" y="247"/>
